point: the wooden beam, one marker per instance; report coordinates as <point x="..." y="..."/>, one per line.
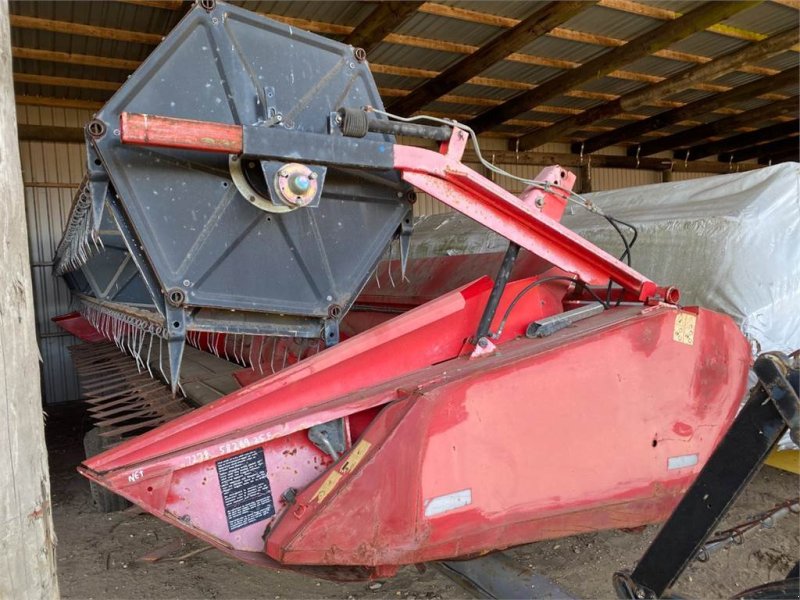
<point x="765" y="151"/>
<point x="92" y="84"/>
<point x="633" y="131"/>
<point x="75" y="59"/>
<point x="527" y="30"/>
<point x="382" y="21"/>
<point x="720" y="128"/>
<point x="57" y="102"/>
<point x="46" y="133"/>
<point x="743" y="140"/>
<point x="107" y="33"/>
<point x="793" y="156"/>
<point x="644" y="45"/>
<point x="27" y="542"/>
<point x="647" y="95"/>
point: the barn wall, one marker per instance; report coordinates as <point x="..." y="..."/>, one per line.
<point x="51" y="173"/>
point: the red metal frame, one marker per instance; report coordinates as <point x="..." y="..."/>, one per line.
<point x="600" y="425"/>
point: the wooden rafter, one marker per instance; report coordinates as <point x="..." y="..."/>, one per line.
<point x="92" y="84"/>
<point x="107" y="33"/>
<point x="47" y="133"/>
<point x="721" y="127"/>
<point x="742" y="140"/>
<point x="57" y="102"/>
<point x="162" y="4"/>
<point x="522" y="34"/>
<point x="75" y="59"/>
<point x="643" y="45"/>
<point x="633" y="131"/>
<point x="647" y="95"/>
<point x="781" y="147"/>
<point x="383" y="20"/>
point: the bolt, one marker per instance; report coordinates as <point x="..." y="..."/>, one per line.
<point x="639" y="593"/>
<point x="540" y="202"/>
<point x="312" y="176"/>
<point x="483" y="342"/>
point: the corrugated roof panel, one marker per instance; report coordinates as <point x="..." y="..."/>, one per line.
<point x="572" y="102"/>
<point x="782" y="61"/>
<point x="451" y="30"/>
<point x="551" y="47"/>
<point x="514" y="10"/>
<point x="735" y="78"/>
<point x="515" y="71"/>
<point x="680" y="6"/>
<point x="766" y="18"/>
<point x="612" y="23"/>
<point x="409" y="56"/>
<point x="396" y="81"/>
<point x="689" y="95"/>
<point x="463" y="112"/>
<point x="610" y="85"/>
<point x="654" y="65"/>
<point x="341" y="13"/>
<point x="751" y="104"/>
<point x="706" y="43"/>
<point x="482" y="91"/>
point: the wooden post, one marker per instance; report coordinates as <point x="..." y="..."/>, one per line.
<point x="27" y="543"/>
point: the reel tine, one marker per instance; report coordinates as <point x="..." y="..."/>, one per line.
<point x="149" y="349"/>
<point x="262" y="340"/>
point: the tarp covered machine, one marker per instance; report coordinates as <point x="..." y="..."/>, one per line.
<point x="247" y="203"/>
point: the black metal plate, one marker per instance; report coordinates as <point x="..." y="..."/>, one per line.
<point x="197" y="231"/>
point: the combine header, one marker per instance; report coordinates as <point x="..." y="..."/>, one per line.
<point x="242" y="188"/>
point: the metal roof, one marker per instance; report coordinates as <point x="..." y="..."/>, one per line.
<point x="436" y="37"/>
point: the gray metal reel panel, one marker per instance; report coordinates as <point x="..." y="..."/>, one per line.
<point x="195" y="228"/>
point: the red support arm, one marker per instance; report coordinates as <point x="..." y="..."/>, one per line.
<point x="443" y="176"/>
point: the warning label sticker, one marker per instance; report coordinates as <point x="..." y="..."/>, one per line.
<point x="245" y="489"/>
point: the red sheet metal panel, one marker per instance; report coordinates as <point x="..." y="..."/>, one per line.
<point x="603" y="426"/>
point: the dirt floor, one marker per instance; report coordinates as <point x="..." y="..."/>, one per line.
<point x="98" y="554"/>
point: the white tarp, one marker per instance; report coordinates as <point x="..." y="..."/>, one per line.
<point x="731" y="243"/>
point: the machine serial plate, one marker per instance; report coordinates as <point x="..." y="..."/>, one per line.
<point x="245" y="489"/>
<point x="684" y="328"/>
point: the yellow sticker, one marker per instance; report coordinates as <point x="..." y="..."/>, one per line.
<point x="327" y="486"/>
<point x="356" y="455"/>
<point x="684" y="328"/>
